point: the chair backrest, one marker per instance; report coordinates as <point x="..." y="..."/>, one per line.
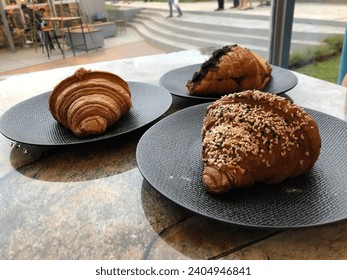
<point x="343" y="62"/>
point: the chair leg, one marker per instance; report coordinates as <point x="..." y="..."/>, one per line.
<point x="42" y="40"/>
<point x="121" y="29"/>
<point x="55" y="37"/>
<point x="46" y="43"/>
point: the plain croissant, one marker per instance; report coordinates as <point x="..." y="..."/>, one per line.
<point x="254" y="136"/>
<point x="230" y="69"/>
<point x="89" y="102"/>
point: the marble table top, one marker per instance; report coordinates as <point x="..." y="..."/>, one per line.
<point x="91" y="201"/>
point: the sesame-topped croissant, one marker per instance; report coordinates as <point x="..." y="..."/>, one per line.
<point x="88" y="102"/>
<point x="254" y="136"/>
<point x="230" y="69"/>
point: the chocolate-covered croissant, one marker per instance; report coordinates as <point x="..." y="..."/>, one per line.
<point x="230" y="69"/>
<point x="254" y="136"/>
<point x="88" y="102"/>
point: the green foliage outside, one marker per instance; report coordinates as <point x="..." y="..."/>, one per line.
<point x="326" y="70"/>
<point x="321" y="62"/>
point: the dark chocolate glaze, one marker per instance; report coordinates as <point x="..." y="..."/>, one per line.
<point x="211" y="63"/>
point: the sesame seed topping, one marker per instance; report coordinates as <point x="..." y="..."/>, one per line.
<point x="252" y="123"/>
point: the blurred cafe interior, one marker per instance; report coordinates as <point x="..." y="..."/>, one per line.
<point x="17" y="28"/>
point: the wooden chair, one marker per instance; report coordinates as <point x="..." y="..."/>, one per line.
<point x="121" y="28"/>
<point x="3" y="38"/>
<point x="119" y="21"/>
<point x="49" y="32"/>
<point x="17" y="37"/>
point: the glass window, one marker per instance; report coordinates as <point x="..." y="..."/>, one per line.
<point x="317" y="38"/>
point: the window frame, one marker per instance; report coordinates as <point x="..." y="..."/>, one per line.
<point x="281" y="25"/>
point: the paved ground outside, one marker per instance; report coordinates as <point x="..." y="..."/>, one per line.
<point x="132" y="44"/>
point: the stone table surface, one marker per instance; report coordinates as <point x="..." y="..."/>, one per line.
<point x="91" y="201"/>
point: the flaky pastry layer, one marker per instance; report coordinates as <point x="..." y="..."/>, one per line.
<point x="88" y="102"/>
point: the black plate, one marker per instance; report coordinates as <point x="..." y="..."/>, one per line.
<point x="173" y="167"/>
<point x="30" y="121"/>
<point x="175" y="81"/>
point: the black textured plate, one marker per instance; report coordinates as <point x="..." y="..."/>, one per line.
<point x="30" y="121"/>
<point x="175" y="81"/>
<point x="173" y="166"/>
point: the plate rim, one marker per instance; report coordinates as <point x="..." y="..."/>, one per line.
<point x="219" y="219"/>
<point x="209" y="98"/>
<point x="81" y="141"/>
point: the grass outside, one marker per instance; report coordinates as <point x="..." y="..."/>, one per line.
<point x="322" y="62"/>
<point x="327" y="70"/>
